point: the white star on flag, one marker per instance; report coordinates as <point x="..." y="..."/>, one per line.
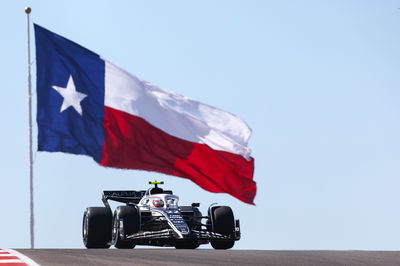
<point x="71" y="96"/>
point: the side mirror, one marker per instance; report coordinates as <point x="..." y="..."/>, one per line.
<point x="195" y="205"/>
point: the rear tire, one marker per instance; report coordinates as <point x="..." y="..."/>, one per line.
<point x="96" y="227"/>
<point x="129" y="215"/>
<point x="223" y="223"/>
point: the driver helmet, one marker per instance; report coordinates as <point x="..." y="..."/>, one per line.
<point x="158" y="203"/>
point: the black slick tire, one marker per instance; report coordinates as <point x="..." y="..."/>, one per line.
<point x="223" y="223"/>
<point x="129" y="215"/>
<point x="96" y="227"/>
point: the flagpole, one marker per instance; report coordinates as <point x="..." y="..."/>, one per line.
<point x="32" y="216"/>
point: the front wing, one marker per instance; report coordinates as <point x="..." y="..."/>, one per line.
<point x="170" y="234"/>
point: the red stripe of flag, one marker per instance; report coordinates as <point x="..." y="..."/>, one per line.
<point x="133" y="143"/>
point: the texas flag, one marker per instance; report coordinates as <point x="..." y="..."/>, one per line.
<point x="87" y="105"/>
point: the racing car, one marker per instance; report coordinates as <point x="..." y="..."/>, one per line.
<point x="154" y="217"/>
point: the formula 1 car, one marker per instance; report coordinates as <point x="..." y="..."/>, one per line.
<point x="153" y="217"/>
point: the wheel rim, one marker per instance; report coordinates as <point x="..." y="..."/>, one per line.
<point x="115" y="230"/>
<point x="85" y="228"/>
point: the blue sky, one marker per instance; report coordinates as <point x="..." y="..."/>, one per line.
<point x="318" y="82"/>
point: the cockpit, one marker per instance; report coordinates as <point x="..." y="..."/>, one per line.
<point x="157" y="197"/>
<point x="160" y="201"/>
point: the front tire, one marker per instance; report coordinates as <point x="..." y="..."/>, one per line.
<point x="223" y="223"/>
<point x="130" y="218"/>
<point x="96" y="227"/>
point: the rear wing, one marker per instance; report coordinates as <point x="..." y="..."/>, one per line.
<point x="125" y="196"/>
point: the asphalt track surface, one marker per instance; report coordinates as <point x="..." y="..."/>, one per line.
<point x="117" y="257"/>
